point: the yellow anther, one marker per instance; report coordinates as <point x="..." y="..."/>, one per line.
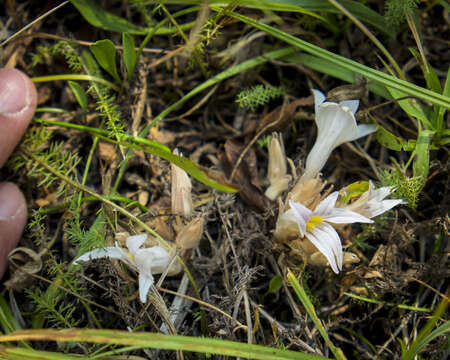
<point x="313" y="222"/>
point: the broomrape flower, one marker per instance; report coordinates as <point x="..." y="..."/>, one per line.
<point x="181" y="190"/>
<point x="316" y="226"/>
<point x="277" y="169"/>
<point x="145" y="262"/>
<point x="371" y="203"/>
<point x="336" y="124"/>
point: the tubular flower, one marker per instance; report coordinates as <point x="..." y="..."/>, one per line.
<point x="336" y="124"/>
<point x="316" y="226"/>
<point x="145" y="262"/>
<point x="372" y="203"/>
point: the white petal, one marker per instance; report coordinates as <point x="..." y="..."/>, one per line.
<point x="371" y="203"/>
<point x="111" y="252"/>
<point x="351" y="104"/>
<point x="345" y="216"/>
<point x="327" y="205"/>
<point x="324" y="239"/>
<point x="319" y="98"/>
<point x="335" y="126"/>
<point x="135" y="242"/>
<point x="373" y="209"/>
<point x="152" y="260"/>
<point x="335" y="122"/>
<point x="335" y="242"/>
<point x="364" y="130"/>
<point x="302" y="215"/>
<point x="381" y="193"/>
<point x="287" y="226"/>
<point x="145" y="282"/>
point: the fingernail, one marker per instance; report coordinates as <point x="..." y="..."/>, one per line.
<point x="15" y="93"/>
<point x="11" y="204"/>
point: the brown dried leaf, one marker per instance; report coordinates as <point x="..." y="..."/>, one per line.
<point x="246" y="175"/>
<point x="107" y="152"/>
<point x="282" y="116"/>
<point x="24" y="262"/>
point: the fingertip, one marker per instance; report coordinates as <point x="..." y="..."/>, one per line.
<point x="13" y="217"/>
<point x="18" y="100"/>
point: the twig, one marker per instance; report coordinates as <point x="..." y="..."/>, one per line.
<point x="26" y="27"/>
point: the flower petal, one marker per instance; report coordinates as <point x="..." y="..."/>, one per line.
<point x="371" y="203"/>
<point x="379" y="194"/>
<point x="145" y="282"/>
<point x="111" y="252"/>
<point x="302" y="215"/>
<point x="135" y="242"/>
<point x="351" y="104"/>
<point x="364" y="130"/>
<point x="287" y="226"/>
<point x="319" y="98"/>
<point x="327" y="205"/>
<point x="327" y="241"/>
<point x="152" y="260"/>
<point x="345" y="216"/>
<point x="335" y="125"/>
<point x="373" y="209"/>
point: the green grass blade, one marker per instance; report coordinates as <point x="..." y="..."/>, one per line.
<point x="309" y="307"/>
<point x="102" y="19"/>
<point x="371" y="74"/>
<point x="421" y="165"/>
<point x="78" y="77"/>
<point x="7" y="320"/>
<point x="246" y="65"/>
<point x="134" y="142"/>
<point x="16" y="353"/>
<point x="129" y="54"/>
<point x="79" y="94"/>
<point x="307" y="7"/>
<point x="160" y="341"/>
<point x="425" y="334"/>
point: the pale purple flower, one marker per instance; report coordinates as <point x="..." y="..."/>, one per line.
<point x="317" y="227"/>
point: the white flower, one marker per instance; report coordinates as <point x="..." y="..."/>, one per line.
<point x="315" y="226"/>
<point x="336" y="124"/>
<point x="371" y="203"/>
<point x="145" y="262"/>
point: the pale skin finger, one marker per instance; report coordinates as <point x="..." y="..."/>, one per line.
<point x="18" y="100"/>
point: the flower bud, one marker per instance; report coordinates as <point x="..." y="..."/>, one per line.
<point x="181" y="191"/>
<point x="277" y="169"/>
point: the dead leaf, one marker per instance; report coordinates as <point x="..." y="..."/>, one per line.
<point x="107" y="152"/>
<point x="246" y="175"/>
<point x="24" y="262"/>
<point x="282" y="116"/>
<point x="161" y="136"/>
